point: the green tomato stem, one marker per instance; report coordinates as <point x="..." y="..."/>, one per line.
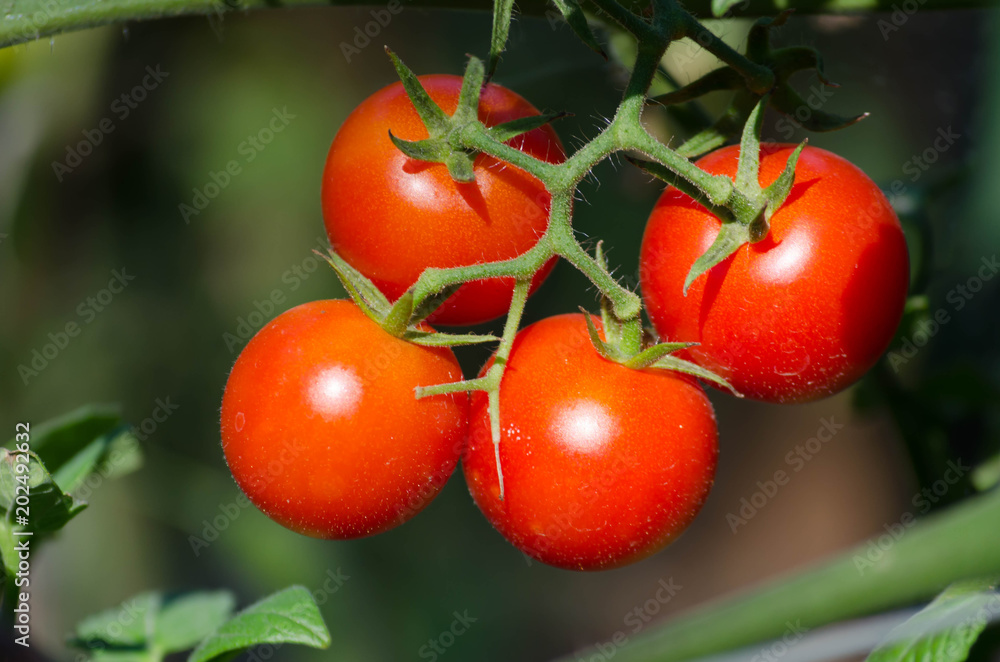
<point x="960" y="543"/>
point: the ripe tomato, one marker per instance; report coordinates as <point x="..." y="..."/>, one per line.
<point x="321" y="428"/>
<point x="603" y="465"/>
<point x="803" y="313"/>
<point x="391" y="217"/>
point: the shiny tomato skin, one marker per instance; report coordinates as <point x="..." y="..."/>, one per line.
<point x="321" y="429"/>
<point x="391" y="217"/>
<point x="603" y="465"/>
<point x="802" y="314"/>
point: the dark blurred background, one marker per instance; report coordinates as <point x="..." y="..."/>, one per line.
<point x="65" y="231"/>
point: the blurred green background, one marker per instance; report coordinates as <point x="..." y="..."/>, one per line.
<point x="163" y="338"/>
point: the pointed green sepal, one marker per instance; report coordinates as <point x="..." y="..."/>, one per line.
<point x="467" y="109"/>
<point x="669" y="362"/>
<point x="651" y="355"/>
<point x="612" y="327"/>
<point x="504" y="132"/>
<point x="748" y="168"/>
<point x="502" y="12"/>
<point x="398" y="318"/>
<point x="778" y="191"/>
<point x="433" y="117"/>
<point x="789" y="102"/>
<point x="432" y="149"/>
<point x="725" y="78"/>
<point x="800" y="58"/>
<point x="605" y="349"/>
<point x="461" y="166"/>
<point x="759" y="37"/>
<point x="431" y="303"/>
<point x="436" y="339"/>
<point x="662" y="173"/>
<point x="577" y="21"/>
<point x="369" y="298"/>
<point x="731" y="236"/>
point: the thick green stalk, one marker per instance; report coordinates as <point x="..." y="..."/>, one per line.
<point x="908" y="563"/>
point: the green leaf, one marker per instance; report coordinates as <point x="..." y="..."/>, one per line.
<point x="577" y="21"/>
<point x="127" y="627"/>
<point x="50" y="508"/>
<point x="56" y="441"/>
<point x="502" y="12"/>
<point x="435" y="339"/>
<point x="112" y="455"/>
<point x="946" y="629"/>
<point x="151" y="625"/>
<point x="185" y="620"/>
<point x="504" y="132"/>
<point x="731" y="236"/>
<point x="289" y="616"/>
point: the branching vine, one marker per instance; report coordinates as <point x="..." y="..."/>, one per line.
<point x="758" y="78"/>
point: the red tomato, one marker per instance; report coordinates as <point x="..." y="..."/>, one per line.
<point x="391" y="217"/>
<point x="321" y="428"/>
<point x="805" y="312"/>
<point x="603" y="465"/>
